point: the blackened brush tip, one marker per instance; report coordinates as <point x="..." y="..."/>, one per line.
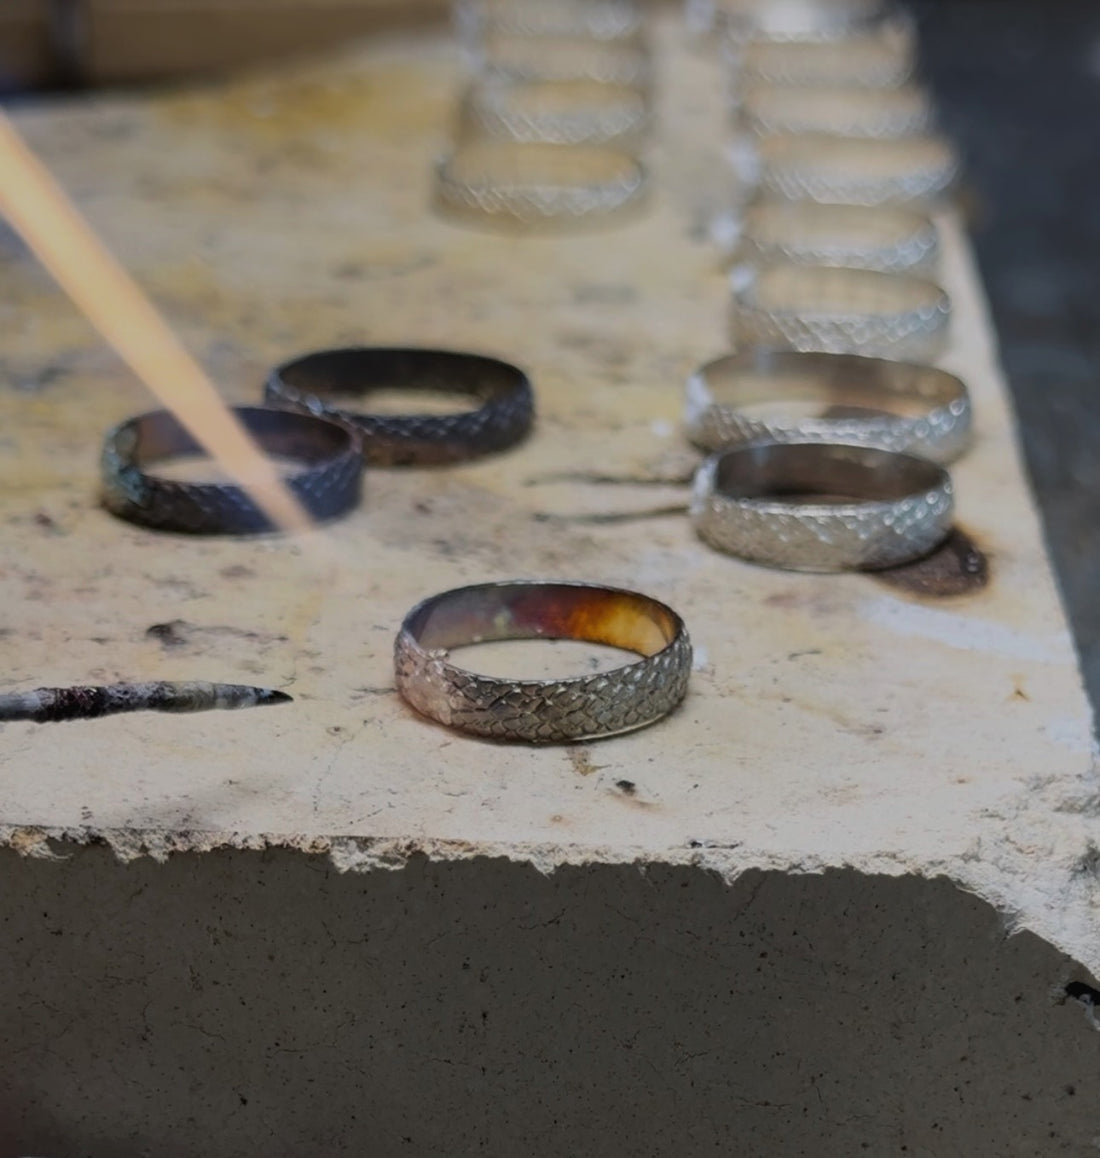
<point x="270" y="696"/>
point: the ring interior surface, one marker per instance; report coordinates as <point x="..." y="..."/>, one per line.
<point x="822" y="507"/>
<point x="543" y="711"/>
<point x="502" y="418"/>
<point x="807" y="474"/>
<point x="329" y="484"/>
<point x="789" y="395"/>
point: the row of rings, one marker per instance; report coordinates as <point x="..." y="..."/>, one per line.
<point x="824" y="462"/>
<point x="843" y="488"/>
<point x="328" y="442"/>
<point x="551" y="123"/>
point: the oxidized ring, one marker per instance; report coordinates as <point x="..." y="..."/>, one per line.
<point x="790" y="396"/>
<point x="327" y="485"/>
<point x="814" y="506"/>
<point x="543" y="711"/>
<point x="503" y="392"/>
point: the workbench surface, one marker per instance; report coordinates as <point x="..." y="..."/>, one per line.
<point x="831" y="720"/>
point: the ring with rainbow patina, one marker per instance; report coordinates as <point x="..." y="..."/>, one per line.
<point x="543" y="711"/>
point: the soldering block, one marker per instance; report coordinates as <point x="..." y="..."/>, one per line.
<point x="831" y="906"/>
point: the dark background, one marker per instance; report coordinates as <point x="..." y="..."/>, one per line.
<point x="1018" y="86"/>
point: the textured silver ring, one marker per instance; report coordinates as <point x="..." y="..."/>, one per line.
<point x="327" y="485"/>
<point x="838" y="110"/>
<point x="503" y="415"/>
<point x="599" y="20"/>
<point x="885" y="238"/>
<point x="557" y="112"/>
<point x="815" y="506"/>
<point x="789" y="396"/>
<point x="537" y="186"/>
<point x="856" y="170"/>
<point x="880" y="53"/>
<point x="543" y="711"/>
<point x="838" y="311"/>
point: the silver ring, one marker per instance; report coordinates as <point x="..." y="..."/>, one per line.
<point x="880" y="53"/>
<point x="788" y="396"/>
<point x="767" y="108"/>
<point x="543" y="711"/>
<point x="796" y="20"/>
<point x="602" y="20"/>
<point x="504" y="183"/>
<point x="838" y="311"/>
<point x="814" y="506"/>
<point x="517" y="57"/>
<point x="882" y="238"/>
<point x="856" y="170"/>
<point x="557" y="112"/>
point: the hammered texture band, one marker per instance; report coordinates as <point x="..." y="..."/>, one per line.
<point x="788" y="396"/>
<point x="328" y="484"/>
<point x="821" y="507"/>
<point x="543" y="711"/>
<point x="503" y="415"/>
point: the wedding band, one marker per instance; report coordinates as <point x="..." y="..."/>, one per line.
<point x="814" y="506"/>
<point x="856" y="170"/>
<point x="503" y="392"/>
<point x="878" y="54"/>
<point x="603" y="20"/>
<point x="796" y="20"/>
<point x="557" y="112"/>
<point x="328" y="485"/>
<point x="543" y="711"/>
<point x="786" y="396"/>
<point x="518" y="57"/>
<point x="882" y="238"/>
<point x="529" y="186"/>
<point x="768" y="108"/>
<point x="838" y="311"/>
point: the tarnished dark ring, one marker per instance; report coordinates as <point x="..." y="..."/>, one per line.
<point x="543" y="711"/>
<point x="502" y="419"/>
<point x="329" y="484"/>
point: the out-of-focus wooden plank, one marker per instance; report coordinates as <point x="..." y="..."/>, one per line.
<point x="26" y="54"/>
<point x="135" y="40"/>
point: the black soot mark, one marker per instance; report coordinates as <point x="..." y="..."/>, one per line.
<point x="175" y="633"/>
<point x="958" y="566"/>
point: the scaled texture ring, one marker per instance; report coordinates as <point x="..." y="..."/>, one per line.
<point x="502" y="393"/>
<point x="882" y="238"/>
<point x="789" y="396"/>
<point x="856" y="170"/>
<point x="543" y="711"/>
<point x="557" y="112"/>
<point x="838" y="311"/>
<point x="821" y="506"/>
<point x="524" y="186"/>
<point x="327" y="483"/>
